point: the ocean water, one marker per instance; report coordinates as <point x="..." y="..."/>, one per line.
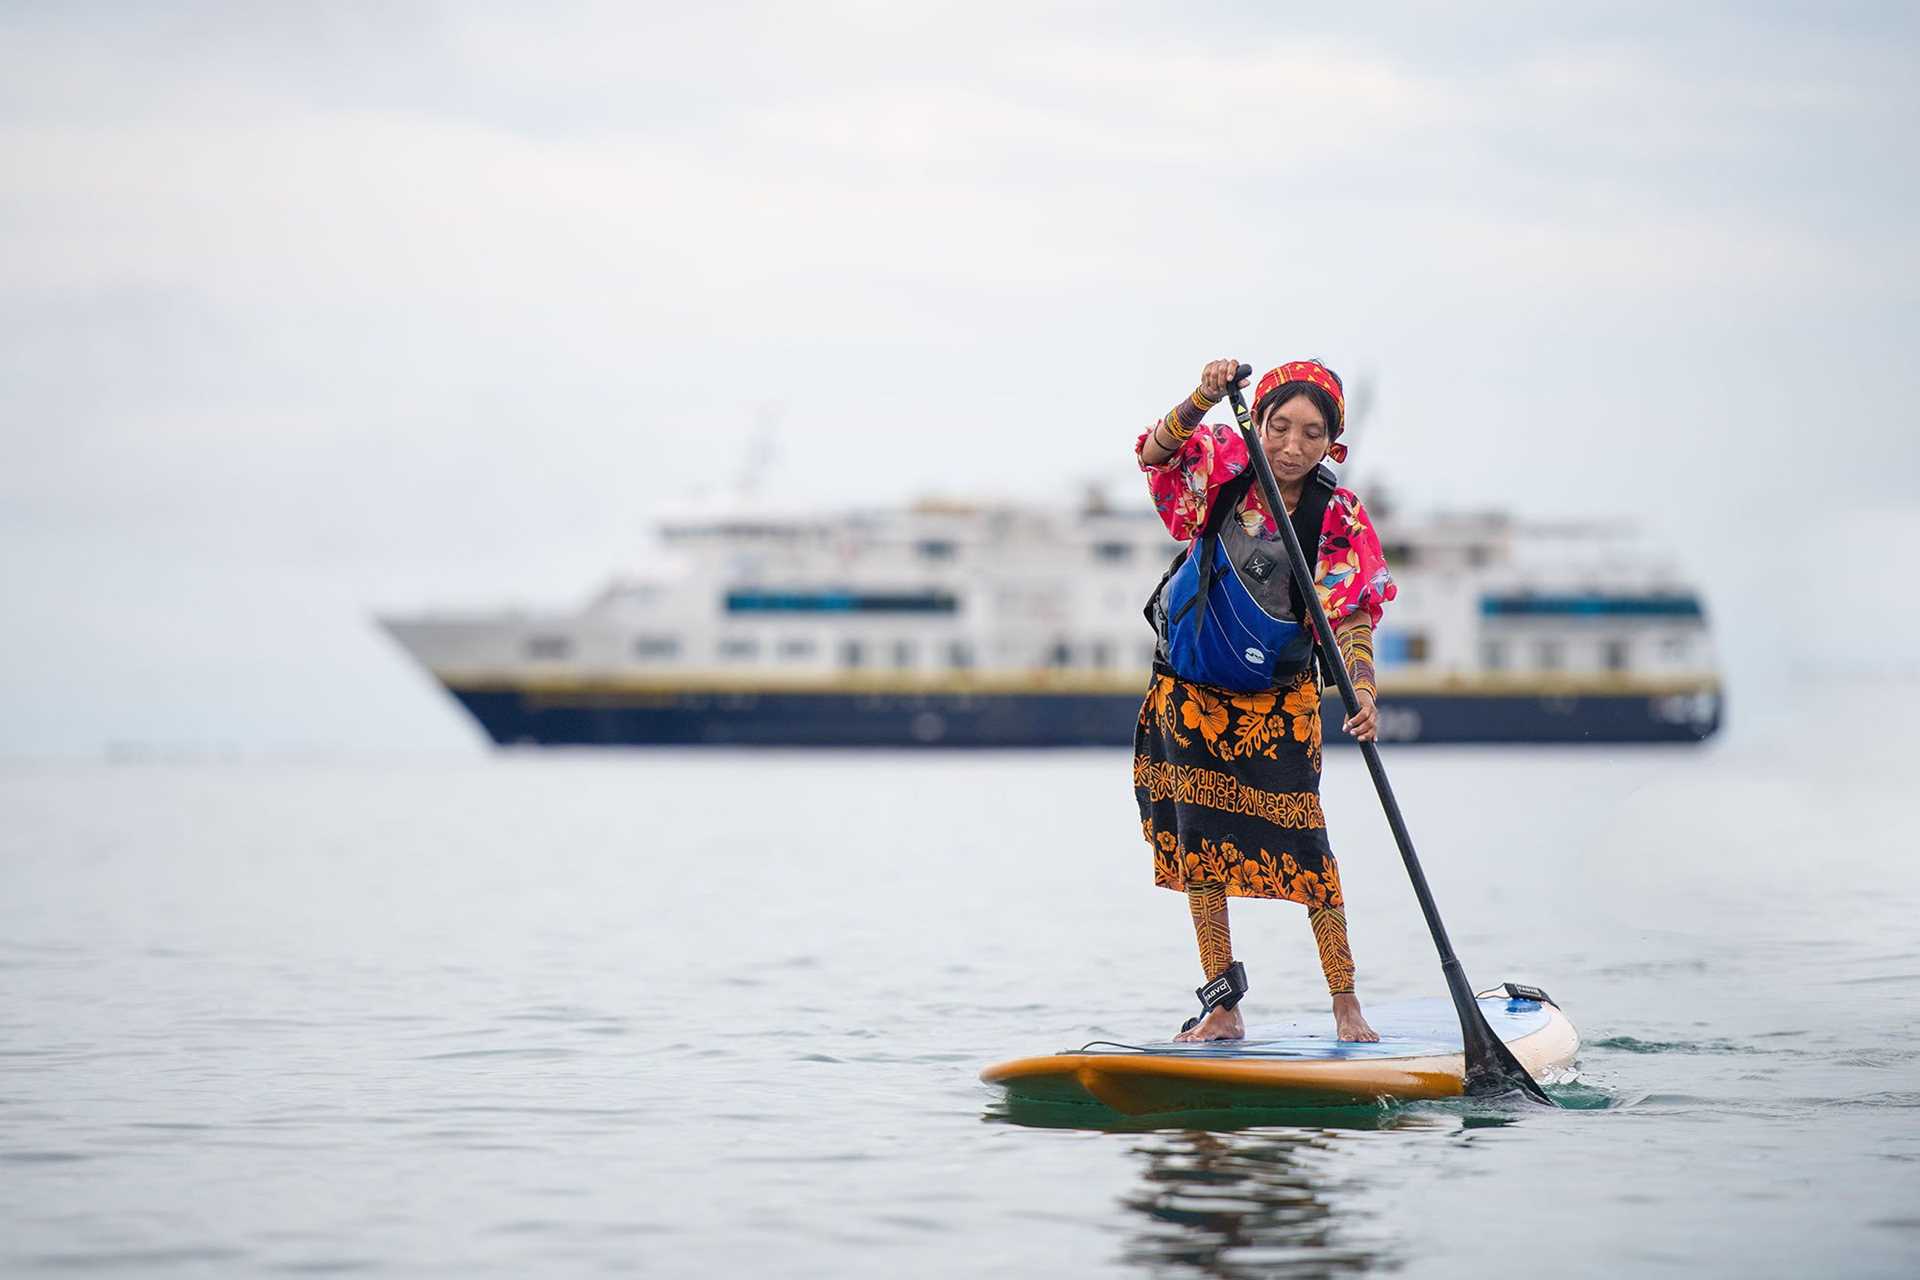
<point x="688" y="1014"/>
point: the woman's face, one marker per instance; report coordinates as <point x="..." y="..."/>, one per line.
<point x="1294" y="438"/>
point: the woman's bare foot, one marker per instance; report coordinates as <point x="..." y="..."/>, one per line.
<point x="1348" y="1022"/>
<point x="1220" y="1024"/>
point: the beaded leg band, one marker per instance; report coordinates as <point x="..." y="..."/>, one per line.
<point x="1208" y="903"/>
<point x="1336" y="958"/>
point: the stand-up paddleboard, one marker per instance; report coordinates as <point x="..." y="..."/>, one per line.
<point x="1299" y="1064"/>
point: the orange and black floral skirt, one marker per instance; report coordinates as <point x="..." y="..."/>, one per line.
<point x="1229" y="790"/>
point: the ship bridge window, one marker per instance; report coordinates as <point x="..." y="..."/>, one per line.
<point x="1613" y="655"/>
<point x="1399" y="554"/>
<point x="1102" y="654"/>
<point x="549" y="646"/>
<point x="841" y="602"/>
<point x="903" y="653"/>
<point x="1589" y="606"/>
<point x="934" y="549"/>
<point x="797" y="647"/>
<point x="1113" y="552"/>
<point x="960" y="655"/>
<point x="656" y="647"/>
<point x="852" y="654"/>
<point x="740" y="648"/>
<point x="1493" y="655"/>
<point x="1061" y="655"/>
<point x="1549" y="655"/>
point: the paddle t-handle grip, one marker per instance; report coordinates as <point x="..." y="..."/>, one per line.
<point x="1239" y="403"/>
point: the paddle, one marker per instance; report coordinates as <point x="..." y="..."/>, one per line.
<point x="1491" y="1066"/>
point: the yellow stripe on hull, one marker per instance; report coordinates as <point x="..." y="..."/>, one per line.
<point x="562" y="683"/>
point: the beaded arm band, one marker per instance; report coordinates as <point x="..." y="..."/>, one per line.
<point x="1184" y="419"/>
<point x="1355" y="638"/>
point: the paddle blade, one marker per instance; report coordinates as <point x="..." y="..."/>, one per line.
<point x="1492" y="1068"/>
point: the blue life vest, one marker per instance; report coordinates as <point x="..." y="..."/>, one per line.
<point x="1229" y="613"/>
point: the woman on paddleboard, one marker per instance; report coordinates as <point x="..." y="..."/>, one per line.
<point x="1227" y="763"/>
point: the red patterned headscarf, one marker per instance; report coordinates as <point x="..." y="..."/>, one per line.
<point x="1310" y="371"/>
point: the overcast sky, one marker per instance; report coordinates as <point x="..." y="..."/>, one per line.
<point x="311" y="310"/>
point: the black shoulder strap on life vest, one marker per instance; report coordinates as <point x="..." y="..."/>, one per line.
<point x="1225" y="499"/>
<point x="1308" y="515"/>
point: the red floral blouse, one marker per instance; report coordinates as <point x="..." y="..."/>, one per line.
<point x="1352" y="570"/>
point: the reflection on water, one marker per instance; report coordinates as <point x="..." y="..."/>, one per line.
<point x="1260" y="1193"/>
<point x="1239" y="1204"/>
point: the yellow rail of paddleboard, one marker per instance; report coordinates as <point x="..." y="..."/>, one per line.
<point x="1146" y="1083"/>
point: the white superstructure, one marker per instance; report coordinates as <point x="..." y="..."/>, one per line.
<point x="954" y="593"/>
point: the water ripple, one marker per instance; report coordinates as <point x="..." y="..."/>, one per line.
<point x="1631" y="1044"/>
<point x="458" y="1054"/>
<point x="97" y="1260"/>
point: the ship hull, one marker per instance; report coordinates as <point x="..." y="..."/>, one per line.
<point x="892" y="718"/>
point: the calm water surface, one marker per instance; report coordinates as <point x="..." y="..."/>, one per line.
<point x="639" y="1012"/>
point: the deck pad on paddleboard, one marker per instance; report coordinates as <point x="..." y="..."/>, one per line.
<point x="1292" y="1064"/>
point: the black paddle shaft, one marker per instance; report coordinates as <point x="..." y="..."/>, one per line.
<point x="1490" y="1066"/>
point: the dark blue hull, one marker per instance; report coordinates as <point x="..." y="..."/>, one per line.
<point x="840" y="718"/>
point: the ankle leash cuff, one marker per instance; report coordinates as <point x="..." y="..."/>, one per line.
<point x="1223" y="992"/>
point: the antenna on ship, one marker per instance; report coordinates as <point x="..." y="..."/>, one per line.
<point x="763" y="455"/>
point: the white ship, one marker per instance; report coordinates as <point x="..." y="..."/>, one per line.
<point x="948" y="624"/>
